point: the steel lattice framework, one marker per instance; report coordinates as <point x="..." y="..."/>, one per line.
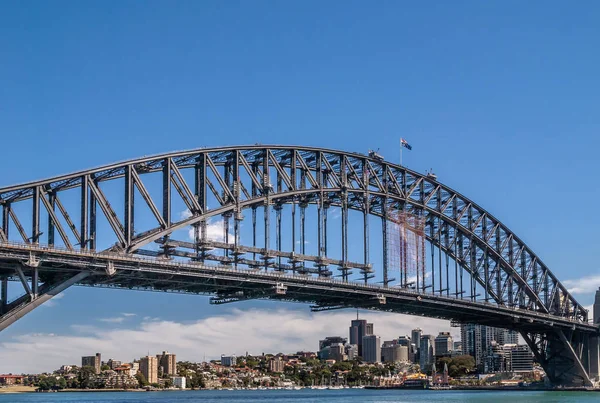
<point x="82" y="229"/>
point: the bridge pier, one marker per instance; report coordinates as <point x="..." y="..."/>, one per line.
<point x="566" y="355"/>
<point x="594" y="358"/>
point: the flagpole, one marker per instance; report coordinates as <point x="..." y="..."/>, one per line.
<point x="401" y="152"/>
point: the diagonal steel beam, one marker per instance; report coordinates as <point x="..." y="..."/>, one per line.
<point x="21" y="310"/>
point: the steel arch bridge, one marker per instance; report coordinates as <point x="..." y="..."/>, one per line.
<point x="122" y="226"/>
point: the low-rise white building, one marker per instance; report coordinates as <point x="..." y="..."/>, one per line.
<point x="179" y="382"/>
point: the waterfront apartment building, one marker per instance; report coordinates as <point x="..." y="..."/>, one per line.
<point x="477" y="339"/>
<point x="508" y="358"/>
<point x="371" y="348"/>
<point x="167" y="364"/>
<point x="179" y="382"/>
<point x="94" y="361"/>
<point x="276" y="364"/>
<point x="443" y="344"/>
<point x="359" y="328"/>
<point x="149" y="368"/>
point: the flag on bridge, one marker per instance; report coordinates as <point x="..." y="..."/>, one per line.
<point x="405" y="144"/>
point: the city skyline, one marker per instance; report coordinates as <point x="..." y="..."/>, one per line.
<point x="154" y="336"/>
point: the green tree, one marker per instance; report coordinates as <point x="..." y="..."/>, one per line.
<point x="142" y="381"/>
<point x="104" y="368"/>
<point x="86" y="377"/>
<point x="457" y="366"/>
<point x="62" y="383"/>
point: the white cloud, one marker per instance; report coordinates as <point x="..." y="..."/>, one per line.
<point x="583" y="285"/>
<point x="128" y="314"/>
<point x="252" y="330"/>
<point x="214" y="231"/>
<point x="53" y="302"/>
<point x="118" y="319"/>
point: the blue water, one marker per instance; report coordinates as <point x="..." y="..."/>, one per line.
<point x="305" y="396"/>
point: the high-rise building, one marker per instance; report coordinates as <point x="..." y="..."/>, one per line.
<point x="393" y="351"/>
<point x="276" y="364"/>
<point x="328" y="341"/>
<point x="443" y="344"/>
<point x="149" y="368"/>
<point x="337" y="352"/>
<point x="94" y="361"/>
<point x="326" y="351"/>
<point x="351" y="351"/>
<point x="405" y="341"/>
<point x="415" y="336"/>
<point x="228" y="360"/>
<point x="426" y="352"/>
<point x="359" y="328"/>
<point x="477" y="339"/>
<point x="167" y="364"/>
<point x="521" y="358"/>
<point x="474" y="342"/>
<point x="371" y="348"/>
<point x="508" y="358"/>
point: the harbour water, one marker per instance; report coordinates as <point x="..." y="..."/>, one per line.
<point x="306" y="396"/>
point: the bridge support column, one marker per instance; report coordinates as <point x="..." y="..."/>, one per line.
<point x="594" y="357"/>
<point x="29" y="301"/>
<point x="3" y="294"/>
<point x="564" y="355"/>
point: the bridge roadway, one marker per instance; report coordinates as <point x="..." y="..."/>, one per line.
<point x="61" y="268"/>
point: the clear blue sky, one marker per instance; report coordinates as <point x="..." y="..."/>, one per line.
<point x="500" y="98"/>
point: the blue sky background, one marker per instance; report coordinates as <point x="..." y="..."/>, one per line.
<point x="501" y="99"/>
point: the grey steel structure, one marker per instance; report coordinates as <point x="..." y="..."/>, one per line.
<point x="120" y="226"/>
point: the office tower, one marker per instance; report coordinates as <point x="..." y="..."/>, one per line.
<point x="325" y="347"/>
<point x="351" y="351"/>
<point x="94" y="361"/>
<point x="149" y="368"/>
<point x="443" y="344"/>
<point x="337" y="352"/>
<point x="415" y="336"/>
<point x="371" y="348"/>
<point x="328" y="341"/>
<point x="426" y="352"/>
<point x="167" y="364"/>
<point x="359" y="328"/>
<point x="475" y="342"/>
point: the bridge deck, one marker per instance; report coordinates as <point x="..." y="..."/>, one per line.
<point x="230" y="284"/>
